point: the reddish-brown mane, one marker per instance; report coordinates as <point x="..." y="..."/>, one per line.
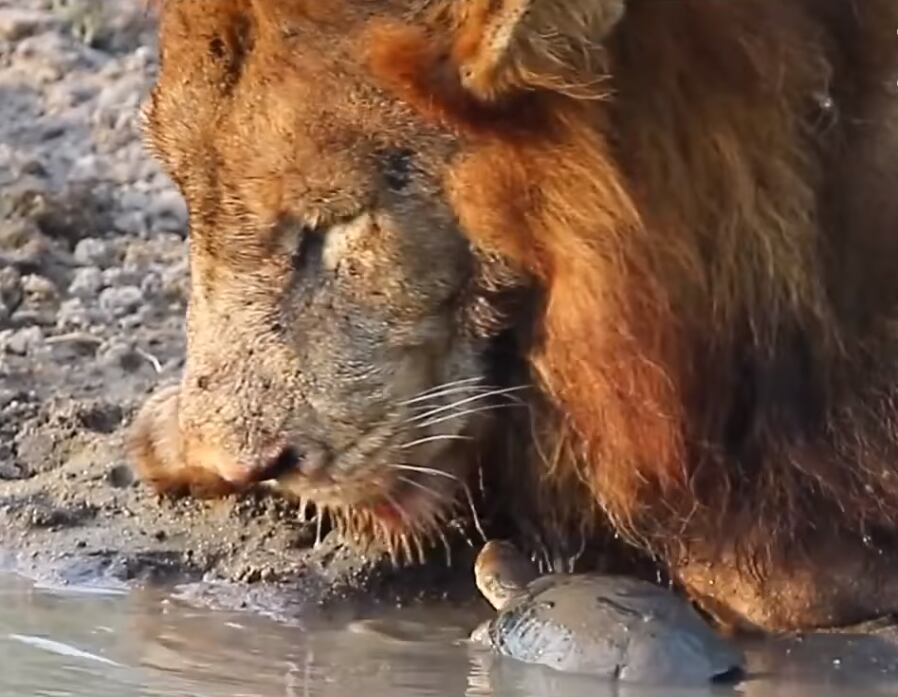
<point x="704" y="194"/>
<point x="676" y="228"/>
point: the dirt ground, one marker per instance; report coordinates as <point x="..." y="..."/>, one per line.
<point x="93" y="280"/>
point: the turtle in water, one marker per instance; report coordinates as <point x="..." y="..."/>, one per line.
<point x="608" y="626"/>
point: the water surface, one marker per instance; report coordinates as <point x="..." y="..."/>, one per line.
<point x="65" y="642"/>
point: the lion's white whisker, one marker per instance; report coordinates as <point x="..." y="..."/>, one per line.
<point x="431" y="439"/>
<point x="426" y="470"/>
<point x="464" y="412"/>
<point x="461" y="402"/>
<point x="439" y="496"/>
<point x="442" y="392"/>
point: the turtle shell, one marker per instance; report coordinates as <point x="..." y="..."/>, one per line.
<point x="613" y="627"/>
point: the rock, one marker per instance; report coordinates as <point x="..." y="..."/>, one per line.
<point x="151" y="285"/>
<point x="22" y="341"/>
<point x="78" y="210"/>
<point x="176" y="283"/>
<point x="72" y="314"/>
<point x="132" y="223"/>
<point x="10" y="471"/>
<point x="134" y="321"/>
<point x="119" y="355"/>
<point x="168" y="212"/>
<point x="121" y="301"/>
<point x="119" y="276"/>
<point x="94" y="252"/>
<point x="11" y="291"/>
<point x="85" y="168"/>
<point x="16" y="234"/>
<point x="7" y="396"/>
<point x="87" y="282"/>
<point x="40" y="292"/>
<point x="141" y="60"/>
<point x="132" y="199"/>
<point x="17" y="24"/>
<point x="34" y="168"/>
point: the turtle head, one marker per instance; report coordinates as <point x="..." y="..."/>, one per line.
<point x="502" y="572"/>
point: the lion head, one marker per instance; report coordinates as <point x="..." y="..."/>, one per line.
<point x="347" y="336"/>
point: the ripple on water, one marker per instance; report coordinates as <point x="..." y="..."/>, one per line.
<point x="73" y="642"/>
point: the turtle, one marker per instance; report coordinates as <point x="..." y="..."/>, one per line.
<point x="612" y="627"/>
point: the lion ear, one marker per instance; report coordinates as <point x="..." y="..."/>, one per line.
<point x="508" y="45"/>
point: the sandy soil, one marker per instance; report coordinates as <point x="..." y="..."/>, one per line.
<point x="93" y="282"/>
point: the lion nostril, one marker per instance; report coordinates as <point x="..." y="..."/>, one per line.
<point x="287" y="459"/>
<point x="309" y="463"/>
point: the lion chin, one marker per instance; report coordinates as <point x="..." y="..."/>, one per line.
<point x="633" y="263"/>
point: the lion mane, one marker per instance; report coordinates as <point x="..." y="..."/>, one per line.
<point x="702" y="191"/>
<point x="705" y="195"/>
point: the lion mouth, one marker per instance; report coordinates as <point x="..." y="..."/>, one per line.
<point x="398" y="495"/>
<point x="403" y="509"/>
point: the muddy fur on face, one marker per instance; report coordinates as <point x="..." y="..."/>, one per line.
<point x="632" y="262"/>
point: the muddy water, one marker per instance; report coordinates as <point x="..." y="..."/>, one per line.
<point x="61" y="642"/>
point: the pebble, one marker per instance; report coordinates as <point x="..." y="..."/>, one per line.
<point x="87" y="282"/>
<point x="120" y="276"/>
<point x="7" y="396"/>
<point x="121" y="301"/>
<point x="134" y="200"/>
<point x="151" y="285"/>
<point x="94" y="252"/>
<point x="11" y="291"/>
<point x="22" y="342"/>
<point x="132" y="223"/>
<point x="168" y="211"/>
<point x="39" y="290"/>
<point x="9" y="471"/>
<point x="72" y="314"/>
<point x="175" y="282"/>
<point x="120" y="355"/>
<point x="17" y="24"/>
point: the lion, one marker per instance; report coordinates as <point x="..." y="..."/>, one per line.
<point x="628" y="266"/>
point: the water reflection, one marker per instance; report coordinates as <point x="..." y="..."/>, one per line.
<point x="70" y="642"/>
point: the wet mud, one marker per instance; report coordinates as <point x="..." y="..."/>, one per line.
<point x="93" y="284"/>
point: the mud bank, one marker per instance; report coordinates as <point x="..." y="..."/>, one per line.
<point x="82" y="520"/>
<point x="93" y="282"/>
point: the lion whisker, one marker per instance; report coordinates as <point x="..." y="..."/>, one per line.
<point x="475" y="517"/>
<point x="426" y="470"/>
<point x="464" y="412"/>
<point x="467" y="400"/>
<point x="443" y="386"/>
<point x="425" y="410"/>
<point x="319" y="525"/>
<point x="446" y="546"/>
<point x="434" y="438"/>
<point x="437" y="495"/>
<point x="456" y="389"/>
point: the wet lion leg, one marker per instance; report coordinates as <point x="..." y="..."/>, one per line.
<point x="836" y="585"/>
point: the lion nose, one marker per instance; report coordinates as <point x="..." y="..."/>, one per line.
<point x="270" y="463"/>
